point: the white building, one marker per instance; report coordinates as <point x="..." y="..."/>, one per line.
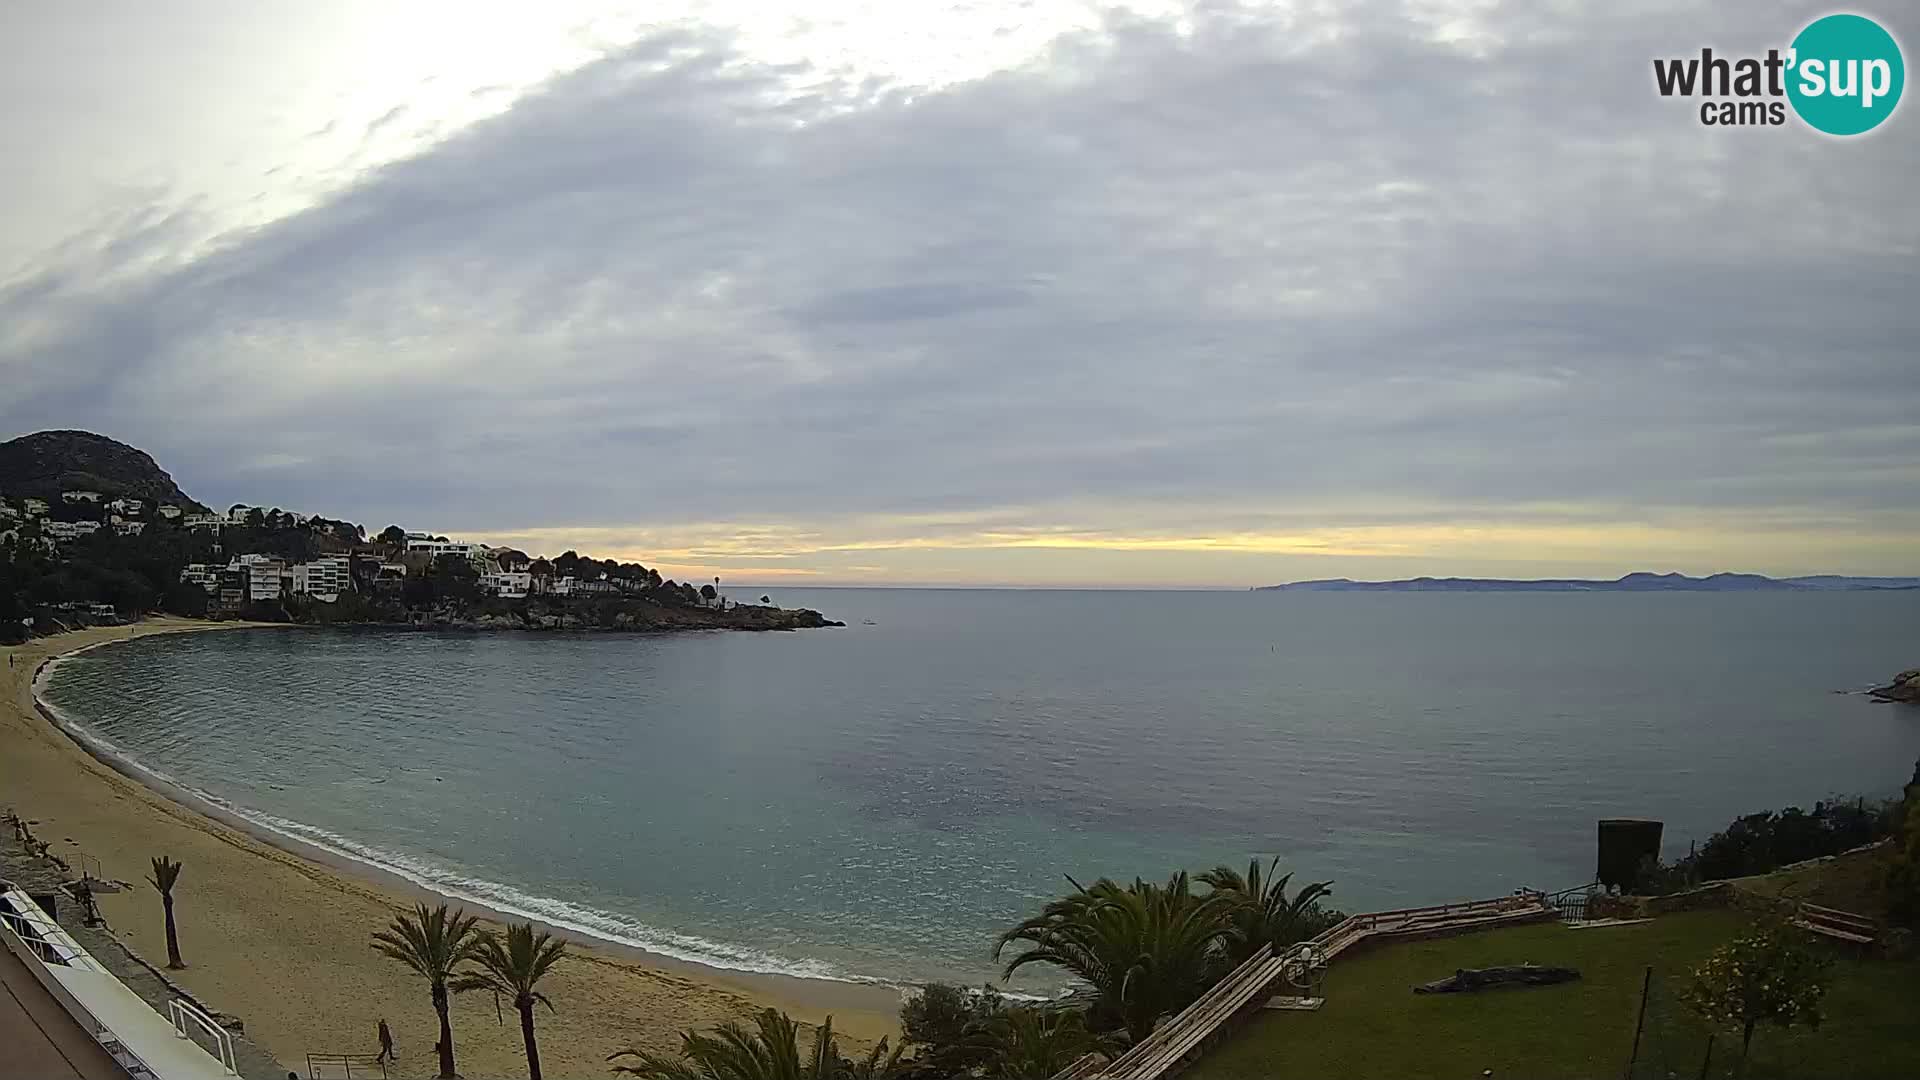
<point x="80" y="496"/>
<point x="474" y="553"/>
<point x="8" y="513"/>
<point x="69" y="530"/>
<point x="169" y="511"/>
<point x="126" y="506"/>
<point x="324" y="578"/>
<point x="205" y="521"/>
<point x="34" y="507"/>
<point x="264" y="574"/>
<point x="507" y="584"/>
<point x="202" y="574"/>
<point x="129" y="528"/>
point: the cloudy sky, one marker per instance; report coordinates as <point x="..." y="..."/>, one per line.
<point x="974" y="292"/>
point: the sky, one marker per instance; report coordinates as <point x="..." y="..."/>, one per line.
<point x="993" y="292"/>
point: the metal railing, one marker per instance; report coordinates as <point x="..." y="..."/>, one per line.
<point x="43" y="942"/>
<point x="1572" y="904"/>
<point x="180" y="1012"/>
<point x="39" y="934"/>
<point x="342" y="1066"/>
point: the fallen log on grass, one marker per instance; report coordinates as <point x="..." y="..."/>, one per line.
<point x="1468" y="980"/>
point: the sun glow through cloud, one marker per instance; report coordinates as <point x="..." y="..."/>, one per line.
<point x="1003" y="293"/>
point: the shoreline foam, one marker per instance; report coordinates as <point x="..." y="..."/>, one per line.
<point x="637" y="994"/>
<point x="500" y="899"/>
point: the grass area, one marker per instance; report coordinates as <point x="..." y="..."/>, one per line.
<point x="1374" y="1026"/>
<point x="1848" y="882"/>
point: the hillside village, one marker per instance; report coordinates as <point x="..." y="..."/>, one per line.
<point x="82" y="555"/>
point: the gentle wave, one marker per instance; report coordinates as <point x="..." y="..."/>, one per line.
<point x="590" y="922"/>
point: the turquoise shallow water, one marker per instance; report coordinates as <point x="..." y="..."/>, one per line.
<point x="879" y="801"/>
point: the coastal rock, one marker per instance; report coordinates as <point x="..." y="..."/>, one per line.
<point x="1905" y="687"/>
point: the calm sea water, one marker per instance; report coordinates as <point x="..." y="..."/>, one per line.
<point x="879" y="801"/>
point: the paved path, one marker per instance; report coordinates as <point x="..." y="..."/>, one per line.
<point x="42" y="1040"/>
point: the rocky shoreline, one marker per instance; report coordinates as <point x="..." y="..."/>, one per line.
<point x="1904" y="688"/>
<point x="631" y="620"/>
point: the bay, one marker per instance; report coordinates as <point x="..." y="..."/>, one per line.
<point x="880" y="801"/>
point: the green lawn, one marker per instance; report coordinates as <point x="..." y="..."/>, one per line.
<point x="1374" y="1026"/>
<point x="1850" y="883"/>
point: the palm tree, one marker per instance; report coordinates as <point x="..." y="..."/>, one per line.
<point x="433" y="943"/>
<point x="165" y="873"/>
<point x="1263" y="914"/>
<point x="879" y="1064"/>
<point x="511" y="970"/>
<point x="732" y="1052"/>
<point x="1145" y="950"/>
<point x="1035" y="1043"/>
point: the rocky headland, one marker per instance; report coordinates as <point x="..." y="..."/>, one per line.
<point x="1905" y="687"/>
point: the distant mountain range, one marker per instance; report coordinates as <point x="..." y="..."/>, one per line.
<point x="1635" y="582"/>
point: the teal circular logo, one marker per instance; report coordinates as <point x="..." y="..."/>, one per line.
<point x="1845" y="74"/>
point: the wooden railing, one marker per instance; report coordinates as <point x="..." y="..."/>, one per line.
<point x="1248" y="986"/>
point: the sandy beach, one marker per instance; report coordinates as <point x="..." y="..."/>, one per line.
<point x="279" y="937"/>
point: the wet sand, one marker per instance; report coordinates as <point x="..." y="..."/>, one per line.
<point x="276" y="932"/>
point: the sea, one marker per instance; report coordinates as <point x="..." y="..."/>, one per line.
<point x="879" y="802"/>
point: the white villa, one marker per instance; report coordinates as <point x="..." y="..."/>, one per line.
<point x="264" y="574"/>
<point x="80" y="496"/>
<point x="475" y="553"/>
<point x="324" y="578"/>
<point x="69" y="530"/>
<point x="169" y="511"/>
<point x="268" y="578"/>
<point x="34" y="507"/>
<point x="507" y="584"/>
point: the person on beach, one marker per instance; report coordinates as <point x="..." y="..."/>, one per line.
<point x="386" y="1043"/>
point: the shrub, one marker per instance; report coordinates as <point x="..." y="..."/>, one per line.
<point x="1767" y="976"/>
<point x="1902" y="882"/>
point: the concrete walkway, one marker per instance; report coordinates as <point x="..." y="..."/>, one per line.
<point x="42" y="1040"/>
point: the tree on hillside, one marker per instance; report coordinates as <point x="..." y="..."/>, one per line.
<point x="166" y="874"/>
<point x="1902" y="881"/>
<point x="434" y="944"/>
<point x="454" y="578"/>
<point x="393" y="536"/>
<point x="512" y="969"/>
<point x="1769" y="975"/>
<point x="1144" y="950"/>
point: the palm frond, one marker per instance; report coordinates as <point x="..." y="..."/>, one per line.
<point x="165" y="873"/>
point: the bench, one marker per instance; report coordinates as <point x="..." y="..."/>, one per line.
<point x="1834" y="923"/>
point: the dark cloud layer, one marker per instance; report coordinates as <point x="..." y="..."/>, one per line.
<point x="1266" y="270"/>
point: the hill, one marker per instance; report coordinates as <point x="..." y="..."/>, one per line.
<point x="45" y="463"/>
<point x="1636" y="582"/>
